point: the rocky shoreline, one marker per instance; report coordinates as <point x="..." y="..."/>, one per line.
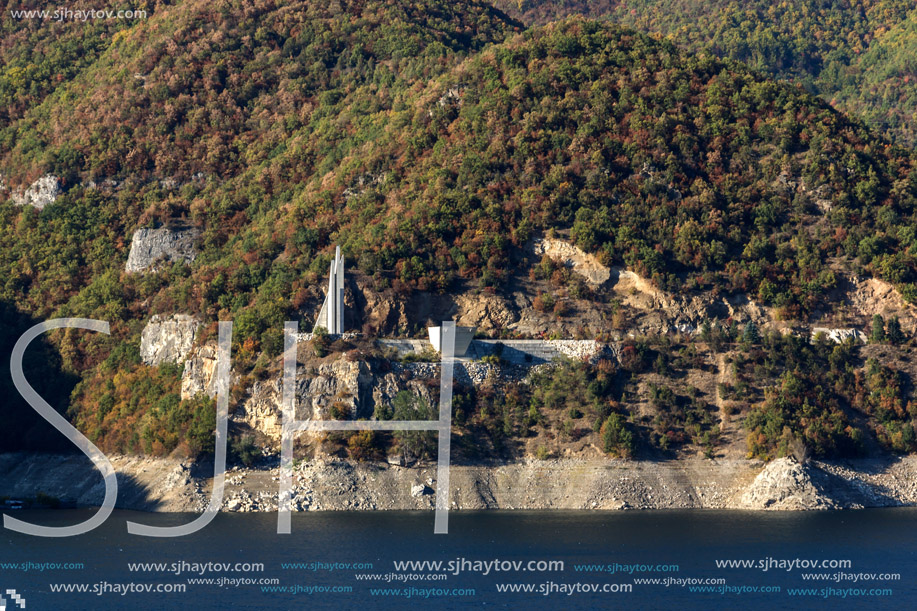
<point x="152" y="484"/>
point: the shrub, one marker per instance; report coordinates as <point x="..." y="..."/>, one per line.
<point x="615" y="436"/>
<point x="362" y="445"/>
<point x="543" y="302"/>
<point x="245" y="450"/>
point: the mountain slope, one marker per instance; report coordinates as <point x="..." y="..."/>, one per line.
<point x="432" y="142"/>
<point x="835" y="48"/>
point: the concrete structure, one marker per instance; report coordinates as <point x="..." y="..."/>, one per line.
<point x="534" y="351"/>
<point x="407" y="346"/>
<point x="525" y="352"/>
<point x="331" y="316"/>
<point x="463" y="336"/>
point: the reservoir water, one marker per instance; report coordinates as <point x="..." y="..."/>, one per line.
<point x="569" y="560"/>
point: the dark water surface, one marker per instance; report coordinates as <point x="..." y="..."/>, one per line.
<point x="875" y="543"/>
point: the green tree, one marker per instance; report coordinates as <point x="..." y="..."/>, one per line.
<point x="706" y="331"/>
<point x="320" y="342"/>
<point x="245" y="450"/>
<point x="414" y="444"/>
<point x="894" y="333"/>
<point x="751" y="335"/>
<point x="616" y="437"/>
<point x="878" y="329"/>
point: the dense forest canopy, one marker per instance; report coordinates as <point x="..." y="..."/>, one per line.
<point x="858" y="54"/>
<point x="432" y="141"/>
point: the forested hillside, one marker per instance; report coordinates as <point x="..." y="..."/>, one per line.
<point x="857" y="54"/>
<point x="432" y="141"/>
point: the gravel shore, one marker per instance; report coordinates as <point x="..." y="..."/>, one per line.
<point x="334" y="485"/>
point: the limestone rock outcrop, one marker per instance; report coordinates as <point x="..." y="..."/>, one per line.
<point x="868" y="296"/>
<point x="168" y="340"/>
<point x="386" y="387"/>
<point x="199" y="375"/>
<point x="379" y="313"/>
<point x="486" y="312"/>
<point x="151" y="248"/>
<point x="41" y="193"/>
<point x="582" y="263"/>
<point x="839" y="336"/>
<point x="263" y="410"/>
<point x="341" y="389"/>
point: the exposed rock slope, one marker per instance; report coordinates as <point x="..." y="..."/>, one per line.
<point x="150" y="247"/>
<point x="168" y="340"/>
<point x="43" y="192"/>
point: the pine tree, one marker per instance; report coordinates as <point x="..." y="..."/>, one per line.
<point x="705" y="331"/>
<point x="878" y="329"/>
<point x="732" y="331"/>
<point x="750" y="335"/>
<point x="894" y="333"/>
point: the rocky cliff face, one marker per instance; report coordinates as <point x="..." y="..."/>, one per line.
<point x="153" y="247"/>
<point x="168" y="340"/>
<point x="868" y="296"/>
<point x="584" y="264"/>
<point x="263" y="410"/>
<point x="199" y="375"/>
<point x="146" y="484"/>
<point x="652" y="311"/>
<point x="342" y="384"/>
<point x="43" y="192"/>
<point x="485" y="312"/>
<point x="338" y="390"/>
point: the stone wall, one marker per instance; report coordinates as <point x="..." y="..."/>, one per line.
<point x="534" y="352"/>
<point x="523" y="352"/>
